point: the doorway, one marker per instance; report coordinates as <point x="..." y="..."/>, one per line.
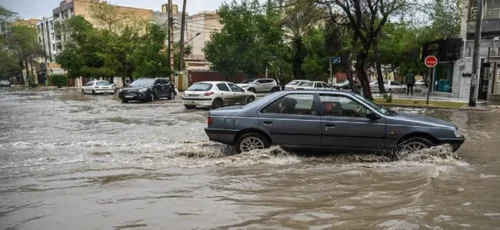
<point x="484" y="80"/>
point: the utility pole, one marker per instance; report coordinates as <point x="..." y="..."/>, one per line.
<point x="171" y="38"/>
<point x="475" y="58"/>
<point x="183" y="29"/>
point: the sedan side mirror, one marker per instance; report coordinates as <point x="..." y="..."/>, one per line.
<point x="372" y="116"/>
<point x="257" y="83"/>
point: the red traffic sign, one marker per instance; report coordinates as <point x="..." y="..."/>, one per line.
<point x="431" y="61"/>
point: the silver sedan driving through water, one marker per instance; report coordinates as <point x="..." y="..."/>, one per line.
<point x="326" y="120"/>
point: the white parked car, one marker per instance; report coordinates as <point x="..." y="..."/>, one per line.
<point x="216" y="94"/>
<point x="294" y="84"/>
<point x="390" y="87"/>
<point x="99" y="87"/>
<point x="420" y="83"/>
<point x="260" y="85"/>
<point x="314" y="85"/>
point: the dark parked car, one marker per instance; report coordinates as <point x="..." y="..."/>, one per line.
<point x="326" y="120"/>
<point x="4" y="83"/>
<point x="147" y="89"/>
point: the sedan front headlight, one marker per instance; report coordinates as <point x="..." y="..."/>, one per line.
<point x="458" y="133"/>
<point x="143" y="90"/>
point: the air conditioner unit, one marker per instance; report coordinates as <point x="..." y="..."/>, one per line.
<point x="496" y="39"/>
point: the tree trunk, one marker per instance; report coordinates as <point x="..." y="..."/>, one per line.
<point x="21" y="67"/>
<point x="363" y="76"/>
<point x="298" y="59"/>
<point x="32" y="70"/>
<point x="348" y="71"/>
<point x="378" y="67"/>
<point x="28" y="75"/>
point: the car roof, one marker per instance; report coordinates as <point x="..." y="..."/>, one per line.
<point x="214" y="82"/>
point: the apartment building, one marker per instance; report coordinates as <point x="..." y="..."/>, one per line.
<point x="198" y="30"/>
<point x="489" y="61"/>
<point x="53" y="39"/>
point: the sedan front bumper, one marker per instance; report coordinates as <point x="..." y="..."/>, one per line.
<point x="455" y="143"/>
<point x="133" y="96"/>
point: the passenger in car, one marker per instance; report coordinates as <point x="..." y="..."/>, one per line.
<point x="332" y="108"/>
<point x="288" y="106"/>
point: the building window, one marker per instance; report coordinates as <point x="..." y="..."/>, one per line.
<point x="492" y="9"/>
<point x="443" y="80"/>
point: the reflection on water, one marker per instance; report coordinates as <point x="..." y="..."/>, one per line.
<point x="69" y="161"/>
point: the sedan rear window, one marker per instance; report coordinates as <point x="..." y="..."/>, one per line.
<point x="307" y="84"/>
<point x="298" y="104"/>
<point x="200" y="87"/>
<point x="103" y="83"/>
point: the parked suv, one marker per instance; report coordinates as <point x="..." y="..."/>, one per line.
<point x="260" y="85"/>
<point x="147" y="89"/>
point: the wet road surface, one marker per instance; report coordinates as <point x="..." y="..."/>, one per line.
<point x="69" y="161"/>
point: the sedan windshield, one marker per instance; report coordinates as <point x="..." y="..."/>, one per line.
<point x="374" y="106"/>
<point x="200" y="87"/>
<point x="143" y="82"/>
<point x="295" y="82"/>
<point x="247" y="81"/>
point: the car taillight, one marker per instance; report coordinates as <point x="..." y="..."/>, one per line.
<point x="208" y="93"/>
<point x="209" y="121"/>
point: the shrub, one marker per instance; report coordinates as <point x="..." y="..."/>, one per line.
<point x="58" y="80"/>
<point x="32" y="83"/>
<point x="388" y="97"/>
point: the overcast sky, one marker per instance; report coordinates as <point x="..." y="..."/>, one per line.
<point x="43" y="8"/>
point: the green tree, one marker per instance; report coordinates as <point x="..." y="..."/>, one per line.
<point x="250" y="40"/>
<point x="366" y="19"/>
<point x="299" y="22"/>
<point x="19" y="46"/>
<point x="149" y="58"/>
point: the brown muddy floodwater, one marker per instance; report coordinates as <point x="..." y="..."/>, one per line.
<point x="89" y="162"/>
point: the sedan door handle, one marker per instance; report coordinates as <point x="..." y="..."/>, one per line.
<point x="268" y="122"/>
<point x="329" y="126"/>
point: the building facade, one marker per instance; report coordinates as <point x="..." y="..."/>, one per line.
<point x="198" y="30"/>
<point x="488" y="87"/>
<point x="452" y="75"/>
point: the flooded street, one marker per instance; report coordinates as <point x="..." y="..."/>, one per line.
<point x="69" y="161"/>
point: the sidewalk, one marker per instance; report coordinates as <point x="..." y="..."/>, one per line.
<point x="431" y="98"/>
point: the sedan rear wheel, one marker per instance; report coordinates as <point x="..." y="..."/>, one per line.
<point x="251" y="141"/>
<point x="217" y="103"/>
